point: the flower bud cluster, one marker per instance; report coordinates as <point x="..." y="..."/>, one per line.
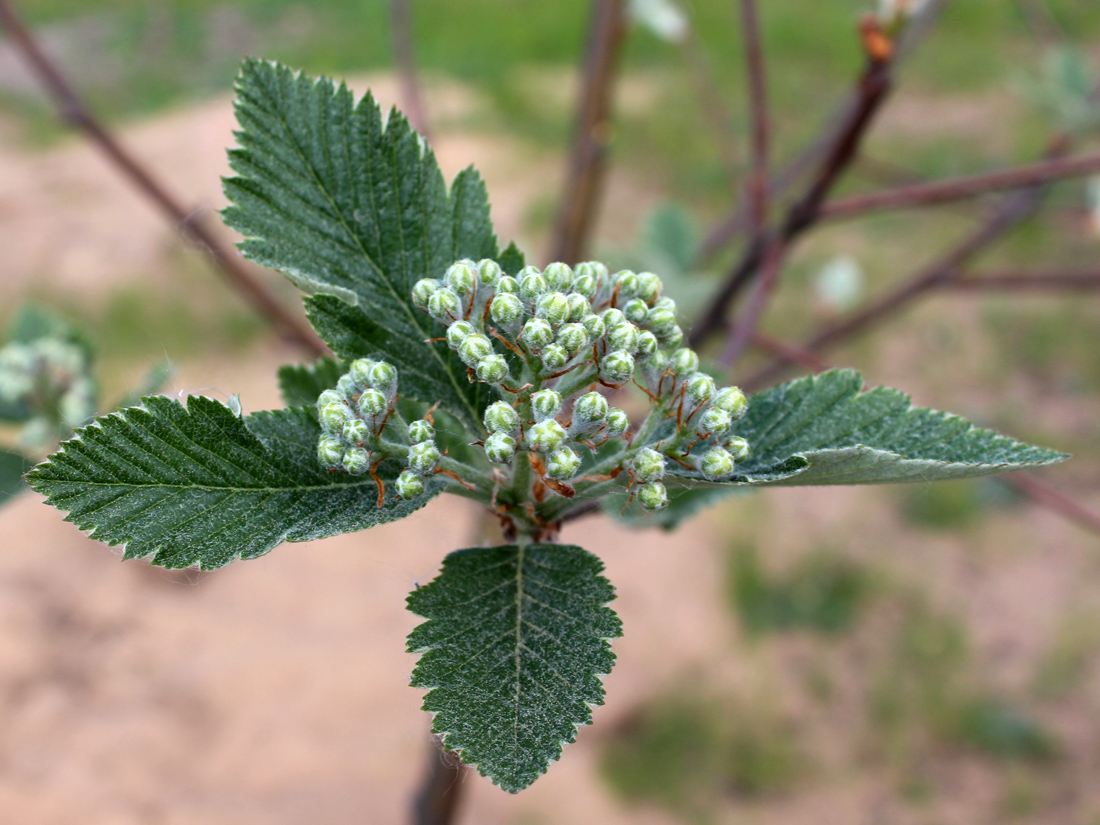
<point x="48" y="378"/>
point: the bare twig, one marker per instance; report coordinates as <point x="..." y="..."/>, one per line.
<point x="585" y="175"/>
<point x="927" y="194"/>
<point x="758" y="113"/>
<point x="1083" y="281"/>
<point x="74" y="111"/>
<point x="404" y="54"/>
<point x="439" y="794"/>
<point x="1054" y="499"/>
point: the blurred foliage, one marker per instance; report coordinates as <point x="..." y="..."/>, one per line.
<point x="953" y="505"/>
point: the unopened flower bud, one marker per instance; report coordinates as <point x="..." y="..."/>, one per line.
<point x="474" y="348"/>
<point x="572" y="337"/>
<point x="532" y="284"/>
<point x="346" y="386"/>
<point x="716" y="464"/>
<point x="700" y="387"/>
<point x="661" y="320"/>
<point x="732" y="400"/>
<point x="330" y="451"/>
<point x="635" y="310"/>
<point x="507" y="285"/>
<point x="579" y="306"/>
<point x="545" y="436"/>
<point x="590" y="408"/>
<point x="653" y="496"/>
<point x="553" y="307"/>
<point x="626" y="285"/>
<point x="536" y="334"/>
<point x="592" y="269"/>
<point x="409" y="485"/>
<point x="506" y="309"/>
<point x="458" y="332"/>
<point x="684" y="362"/>
<point x="617" y="422"/>
<point x="383" y="377"/>
<point x="714" y="422"/>
<point x="546" y="404"/>
<point x="461" y="277"/>
<point x="488" y="271"/>
<point x="623" y="337"/>
<point x="372" y="402"/>
<point x="423" y="291"/>
<point x="356" y="461"/>
<point x="492" y="369"/>
<point x="423" y="457"/>
<point x="647" y="345"/>
<point x="421" y="431"/>
<point x="612" y="317"/>
<point x="333" y="417"/>
<point x="500" y="448"/>
<point x="357" y="432"/>
<point x="554" y="357"/>
<point x="617" y="367"/>
<point x="594" y="326"/>
<point x="444" y="305"/>
<point x="585" y="285"/>
<point x="329" y="397"/>
<point x="649" y="465"/>
<point x="558" y="276"/>
<point x="563" y="464"/>
<point x="664" y="302"/>
<point x="674" y="338"/>
<point x="649" y="286"/>
<point x="738" y="448"/>
<point x="501" y="418"/>
<point x="359" y="371"/>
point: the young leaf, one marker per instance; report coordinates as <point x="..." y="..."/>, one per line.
<point x="12" y="467"/>
<point x="300" y="384"/>
<point x="198" y="485"/>
<point x="514" y="645"/>
<point x="823" y="430"/>
<point x="349" y="204"/>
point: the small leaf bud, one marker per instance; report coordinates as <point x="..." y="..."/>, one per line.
<point x="330" y="451"/>
<point x="536" y="334"/>
<point x="532" y="285"/>
<point x="649" y="286"/>
<point x="700" y="387"/>
<point x="458" y="332"/>
<point x="585" y="285"/>
<point x="732" y="400"/>
<point x="716" y="464"/>
<point x="500" y="448"/>
<point x="553" y="307"/>
<point x="474" y="348"/>
<point x="372" y="402"/>
<point x="617" y="422"/>
<point x="444" y="305"/>
<point x="501" y="418"/>
<point x="579" y="306"/>
<point x="572" y="337"/>
<point x="738" y="448"/>
<point x="554" y="357"/>
<point x="423" y="457"/>
<point x="626" y="282"/>
<point x="383" y="377"/>
<point x="423" y="291"/>
<point x="661" y="320"/>
<point x="329" y="397"/>
<point x="635" y="310"/>
<point x="623" y="337"/>
<point x="356" y="461"/>
<point x="684" y="362"/>
<point x="506" y="309"/>
<point x="653" y="496"/>
<point x="421" y="431"/>
<point x="714" y="422"/>
<point x="594" y="326"/>
<point x="558" y="276"/>
<point x="647" y="345"/>
<point x="590" y="408"/>
<point x="649" y="465"/>
<point x="563" y="464"/>
<point x="612" y="317"/>
<point x="461" y="277"/>
<point x="360" y="372"/>
<point x="409" y="485"/>
<point x="546" y="404"/>
<point x="492" y="369"/>
<point x="488" y="271"/>
<point x="507" y="285"/>
<point x="333" y="417"/>
<point x="545" y="436"/>
<point x="356" y="431"/>
<point x="617" y="367"/>
<point x="674" y="338"/>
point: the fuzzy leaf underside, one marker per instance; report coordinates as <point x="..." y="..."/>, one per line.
<point x="513" y="647"/>
<point x="12" y="467"/>
<point x="822" y="430"/>
<point x="351" y="204"/>
<point x="197" y="485"/>
<point x="300" y="384"/>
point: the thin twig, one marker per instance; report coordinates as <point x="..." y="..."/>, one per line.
<point x="1054" y="499"/>
<point x="437" y="799"/>
<point x="1083" y="281"/>
<point x="74" y="111"/>
<point x="758" y="114"/>
<point x="405" y="56"/>
<point x="585" y="175"/>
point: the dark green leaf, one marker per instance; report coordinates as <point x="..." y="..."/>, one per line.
<point x="197" y="485"/>
<point x="300" y="384"/>
<point x="514" y="645"/>
<point x="511" y="259"/>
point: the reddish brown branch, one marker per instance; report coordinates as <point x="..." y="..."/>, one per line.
<point x="405" y="58"/>
<point x="1084" y="281"/>
<point x="74" y="111"/>
<point x="1054" y="499"/>
<point x="440" y="792"/>
<point x="758" y="114"/>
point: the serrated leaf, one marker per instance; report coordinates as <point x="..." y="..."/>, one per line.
<point x="822" y="430"/>
<point x="512" y="260"/>
<point x="197" y="485"/>
<point x="12" y="467"/>
<point x="515" y="641"/>
<point x="300" y="384"/>
<point x="349" y="204"/>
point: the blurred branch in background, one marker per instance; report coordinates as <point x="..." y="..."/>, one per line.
<point x="74" y="111"/>
<point x="440" y="792"/>
<point x="401" y="33"/>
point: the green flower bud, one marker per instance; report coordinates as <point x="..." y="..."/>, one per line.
<point x="716" y="464"/>
<point x="532" y="285"/>
<point x="617" y="422"/>
<point x="623" y="337"/>
<point x="506" y="309"/>
<point x="649" y="465"/>
<point x="383" y="376"/>
<point x="423" y="457"/>
<point x="330" y="451"/>
<point x="546" y="404"/>
<point x="572" y="337"/>
<point x="536" y="334"/>
<point x="732" y="400"/>
<point x="359" y="371"/>
<point x="647" y="345"/>
<point x="714" y="422"/>
<point x="507" y="285"/>
<point x="492" y="369"/>
<point x="563" y="464"/>
<point x="356" y="461"/>
<point x="738" y="448"/>
<point x="458" y="332"/>
<point x="409" y="485"/>
<point x="329" y="397"/>
<point x="674" y="338"/>
<point x="346" y="386"/>
<point x="612" y="317"/>
<point x="626" y="282"/>
<point x="653" y="496"/>
<point x="462" y="278"/>
<point x="594" y="326"/>
<point x="333" y="417"/>
<point x="656" y="366"/>
<point x="474" y="348"/>
<point x="661" y="320"/>
<point x="372" y="402"/>
<point x="554" y="357"/>
<point x="649" y="287"/>
<point x="579" y="306"/>
<point x="664" y="302"/>
<point x="558" y="276"/>
<point x="488" y="271"/>
<point x="500" y="448"/>
<point x="700" y="387"/>
<point x="590" y="408"/>
<point x="501" y="418"/>
<point x="444" y="305"/>
<point x="356" y="431"/>
<point x="635" y="310"/>
<point x="684" y="362"/>
<point x="553" y="307"/>
<point x="421" y="431"/>
<point x="591" y="269"/>
<point x="545" y="436"/>
<point x="423" y="291"/>
<point x="617" y="367"/>
<point x="585" y="285"/>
